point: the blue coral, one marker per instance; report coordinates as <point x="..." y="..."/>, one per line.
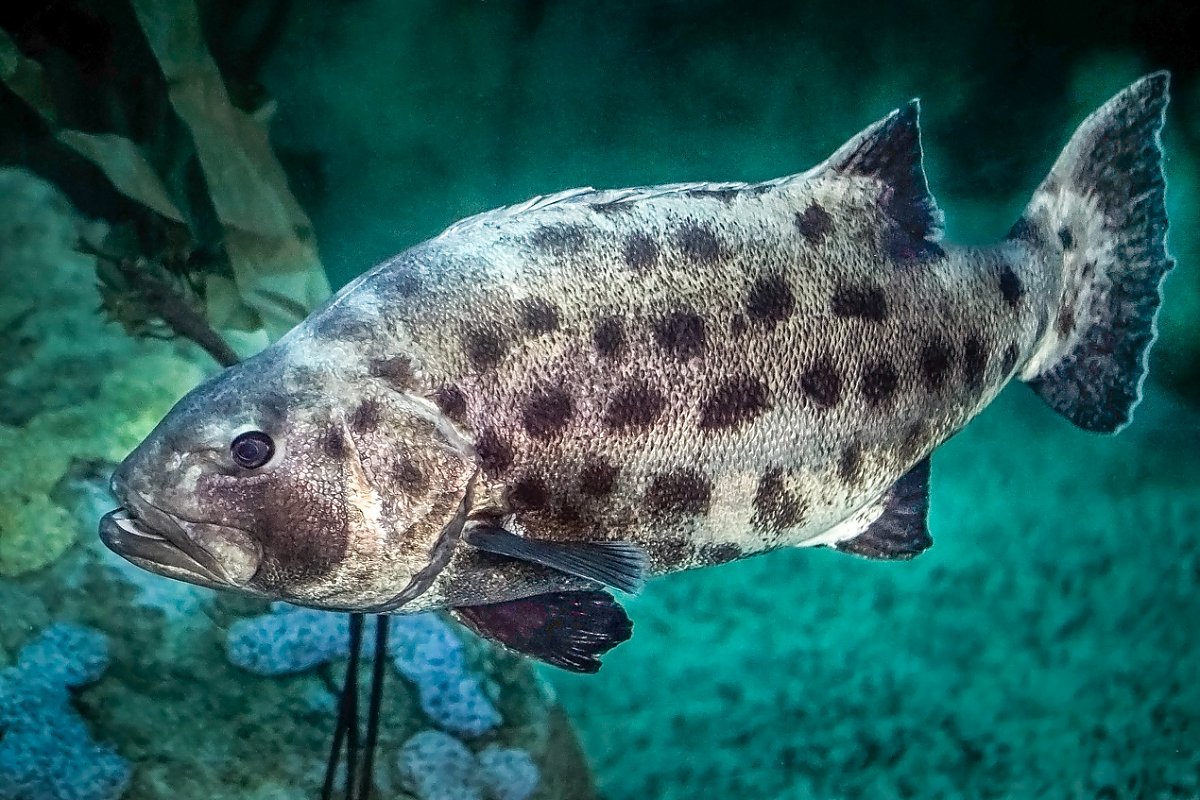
<point x="46" y="751"/>
<point x="423" y="648"/>
<point x="439" y="767"/>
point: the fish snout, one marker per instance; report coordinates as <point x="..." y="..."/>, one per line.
<point x="207" y="554"/>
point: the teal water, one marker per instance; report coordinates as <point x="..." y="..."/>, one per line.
<point x="1045" y="647"/>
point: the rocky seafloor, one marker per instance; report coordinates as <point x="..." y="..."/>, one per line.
<point x="115" y="683"/>
<point x="1046" y="646"/>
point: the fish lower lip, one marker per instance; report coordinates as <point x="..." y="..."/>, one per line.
<point x="124" y="534"/>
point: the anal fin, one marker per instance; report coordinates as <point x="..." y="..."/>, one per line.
<point x="901" y="532"/>
<point x="570" y="630"/>
<point x="621" y="565"/>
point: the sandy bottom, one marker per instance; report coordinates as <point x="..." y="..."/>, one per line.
<point x="1045" y="647"/>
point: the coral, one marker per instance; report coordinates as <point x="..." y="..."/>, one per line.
<point x="46" y="752"/>
<point x="440" y="767"/>
<point x="77" y="394"/>
<point x="429" y="653"/>
<point x="423" y="648"/>
<point x="510" y="774"/>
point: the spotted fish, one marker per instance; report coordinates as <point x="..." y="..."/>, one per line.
<point x="596" y="387"/>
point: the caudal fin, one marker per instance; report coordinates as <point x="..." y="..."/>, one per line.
<point x="1100" y="217"/>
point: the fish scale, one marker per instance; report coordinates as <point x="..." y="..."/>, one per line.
<point x="594" y="387"/>
<point x="752" y="236"/>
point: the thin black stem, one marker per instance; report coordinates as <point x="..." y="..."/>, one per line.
<point x="335" y="754"/>
<point x="350" y="691"/>
<point x="347" y="719"/>
<point x="378" y="671"/>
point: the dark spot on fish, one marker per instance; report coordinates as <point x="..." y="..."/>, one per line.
<point x="975" y="356"/>
<point x="681" y="333"/>
<point x="547" y="412"/>
<point x="814" y="223"/>
<point x="598" y="478"/>
<point x="495" y="455"/>
<point x="408" y="476"/>
<point x="609" y="337"/>
<point x="452" y="402"/>
<point x="527" y="493"/>
<point x="1009" y="360"/>
<point x="735" y="401"/>
<point x="1024" y="230"/>
<point x="397" y="371"/>
<point x="635" y="406"/>
<point x="333" y="442"/>
<point x="822" y="383"/>
<point x="936" y="359"/>
<point x="738" y="325"/>
<point x="1065" y="238"/>
<point x="401" y="277"/>
<point x="565" y="513"/>
<point x="724" y="195"/>
<point x="291" y="551"/>
<point x="699" y="244"/>
<point x="850" y="463"/>
<point x="879" y="381"/>
<point x="682" y="491"/>
<point x="559" y="239"/>
<point x="339" y="324"/>
<point x="366" y="416"/>
<point x="405" y="284"/>
<point x="770" y="300"/>
<point x="775" y="508"/>
<point x="722" y="553"/>
<point x="913" y="443"/>
<point x="1011" y="287"/>
<point x="1064" y="323"/>
<point x="861" y="301"/>
<point x="538" y="316"/>
<point x="485" y="349"/>
<point x="641" y="252"/>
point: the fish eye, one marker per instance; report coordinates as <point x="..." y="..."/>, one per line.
<point x="252" y="449"/>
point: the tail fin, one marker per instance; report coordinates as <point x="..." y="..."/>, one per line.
<point x="1100" y="216"/>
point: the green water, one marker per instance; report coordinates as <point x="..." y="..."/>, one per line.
<point x="1047" y="646"/>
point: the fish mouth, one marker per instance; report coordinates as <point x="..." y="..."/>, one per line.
<point x="160" y="542"/>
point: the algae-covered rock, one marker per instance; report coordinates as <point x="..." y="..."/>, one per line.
<point x="76" y="394"/>
<point x="73" y="389"/>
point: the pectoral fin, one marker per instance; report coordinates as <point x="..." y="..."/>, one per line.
<point x="621" y="565"/>
<point x="570" y="630"/>
<point x="901" y="531"/>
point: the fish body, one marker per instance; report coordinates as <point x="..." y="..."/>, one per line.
<point x="595" y="387"/>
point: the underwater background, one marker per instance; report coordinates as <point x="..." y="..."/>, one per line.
<point x="1047" y="646"/>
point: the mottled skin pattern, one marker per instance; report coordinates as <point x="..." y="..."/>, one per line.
<point x="708" y="371"/>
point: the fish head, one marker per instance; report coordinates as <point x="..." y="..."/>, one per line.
<point x="318" y="486"/>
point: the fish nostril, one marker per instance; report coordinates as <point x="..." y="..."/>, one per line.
<point x="119" y="482"/>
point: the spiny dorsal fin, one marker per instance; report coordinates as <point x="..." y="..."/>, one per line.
<point x="901" y="531"/>
<point x="890" y="151"/>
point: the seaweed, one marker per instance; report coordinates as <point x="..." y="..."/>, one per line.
<point x="133" y="118"/>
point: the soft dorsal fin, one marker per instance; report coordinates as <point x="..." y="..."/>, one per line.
<point x="890" y="151"/>
<point x="901" y="531"/>
<point x="567" y="629"/>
